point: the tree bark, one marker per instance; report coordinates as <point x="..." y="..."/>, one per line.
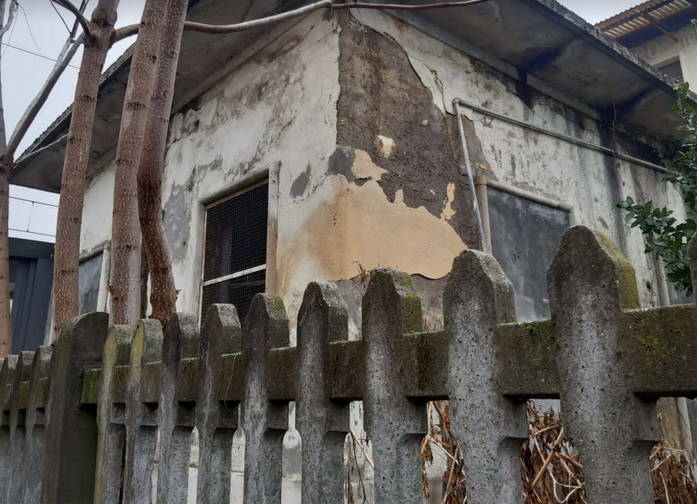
<point x="5" y="169"/>
<point x="66" y="304"/>
<point x="163" y="292"/>
<point x="125" y="270"/>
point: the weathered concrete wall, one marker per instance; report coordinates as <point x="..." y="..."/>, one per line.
<point x="351" y="120"/>
<point x="589" y="181"/>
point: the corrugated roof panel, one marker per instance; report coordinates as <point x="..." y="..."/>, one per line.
<point x="641" y="16"/>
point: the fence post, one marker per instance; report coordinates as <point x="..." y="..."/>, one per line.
<point x="141" y="423"/>
<point x="265" y="422"/>
<point x="489" y="426"/>
<point x="110" y="418"/>
<point x="590" y="283"/>
<point x="322" y="423"/>
<point x="216" y="421"/>
<point x="36" y="426"/>
<point x="18" y="408"/>
<point x="395" y="424"/>
<point x="71" y="432"/>
<point x="176" y="421"/>
<point x="7" y="377"/>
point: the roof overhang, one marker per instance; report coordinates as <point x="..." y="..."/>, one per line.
<point x="649" y="20"/>
<point x="538" y="41"/>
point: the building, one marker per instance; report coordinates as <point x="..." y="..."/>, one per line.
<point x="660" y="32"/>
<point x="32" y="229"/>
<point x="331" y="144"/>
<point x="328" y="146"/>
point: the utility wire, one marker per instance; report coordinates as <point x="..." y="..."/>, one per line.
<point x="35" y="54"/>
<point x="59" y="15"/>
<point x="31" y="33"/>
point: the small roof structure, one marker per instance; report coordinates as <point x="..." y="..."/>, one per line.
<point x="648" y="20"/>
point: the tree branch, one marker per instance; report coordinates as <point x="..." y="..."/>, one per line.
<point x="38" y="102"/>
<point x="324" y="4"/>
<point x="84" y="22"/>
<point x="124" y="32"/>
<point x="10" y="18"/>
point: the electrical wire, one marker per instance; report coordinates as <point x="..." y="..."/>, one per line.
<point x="60" y="16"/>
<point x="31" y="33"/>
<point x="6" y="44"/>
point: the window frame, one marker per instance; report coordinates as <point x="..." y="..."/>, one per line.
<point x="231" y="276"/>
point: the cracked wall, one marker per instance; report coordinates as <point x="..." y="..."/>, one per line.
<point x="351" y="120"/>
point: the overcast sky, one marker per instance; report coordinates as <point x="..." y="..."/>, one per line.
<point x="39" y="29"/>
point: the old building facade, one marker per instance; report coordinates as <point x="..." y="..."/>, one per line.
<point x="662" y="33"/>
<point x="329" y="146"/>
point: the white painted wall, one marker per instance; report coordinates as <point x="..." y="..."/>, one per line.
<point x="32" y="214"/>
<point x="680" y="45"/>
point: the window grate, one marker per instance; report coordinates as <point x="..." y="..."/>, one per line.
<point x="235" y="250"/>
<point x="673" y="70"/>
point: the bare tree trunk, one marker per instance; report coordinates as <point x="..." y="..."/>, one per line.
<point x="125" y="270"/>
<point x="77" y="155"/>
<point x="5" y="312"/>
<point x="163" y="292"/>
<point x="5" y="169"/>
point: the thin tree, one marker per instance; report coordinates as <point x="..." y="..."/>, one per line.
<point x="7" y="154"/>
<point x="125" y="271"/>
<point x="163" y="295"/>
<point x="5" y="168"/>
<point x="99" y="36"/>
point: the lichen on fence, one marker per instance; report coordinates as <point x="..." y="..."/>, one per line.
<point x="87" y="419"/>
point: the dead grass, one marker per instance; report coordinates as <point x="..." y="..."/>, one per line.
<point x="552" y="473"/>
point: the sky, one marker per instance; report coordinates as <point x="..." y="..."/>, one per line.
<point x="38" y="34"/>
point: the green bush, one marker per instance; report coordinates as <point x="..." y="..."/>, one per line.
<point x="663" y="234"/>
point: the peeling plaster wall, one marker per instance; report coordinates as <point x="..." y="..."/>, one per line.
<point x="590" y="181"/>
<point x="351" y="120"/>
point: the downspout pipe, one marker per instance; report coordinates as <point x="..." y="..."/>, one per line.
<point x="468" y="172"/>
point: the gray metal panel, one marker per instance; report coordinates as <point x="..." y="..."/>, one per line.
<point x="524" y="238"/>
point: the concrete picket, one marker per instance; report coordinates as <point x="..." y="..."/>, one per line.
<point x="394" y="423"/>
<point x="80" y="422"/>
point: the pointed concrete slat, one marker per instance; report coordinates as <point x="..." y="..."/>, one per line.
<point x="394" y="424"/>
<point x="265" y="422"/>
<point x="322" y="423"/>
<point x="590" y="283"/>
<point x="71" y="431"/>
<point x="18" y="429"/>
<point x="7" y="377"/>
<point x="36" y="432"/>
<point x="181" y="342"/>
<point x="141" y="435"/>
<point x="216" y="421"/>
<point x="112" y="433"/>
<point x="490" y="428"/>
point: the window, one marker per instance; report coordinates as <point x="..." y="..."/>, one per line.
<point x="235" y="250"/>
<point x="525" y="235"/>
<point x="673" y="70"/>
<point x="90" y="274"/>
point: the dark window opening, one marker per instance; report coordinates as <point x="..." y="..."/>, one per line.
<point x="673" y="70"/>
<point x="90" y="274"/>
<point x="234" y="269"/>
<point x="524" y="238"/>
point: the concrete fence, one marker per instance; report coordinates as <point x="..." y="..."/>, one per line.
<point x="85" y="419"/>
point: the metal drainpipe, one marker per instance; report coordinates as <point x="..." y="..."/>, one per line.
<point x="468" y="172"/>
